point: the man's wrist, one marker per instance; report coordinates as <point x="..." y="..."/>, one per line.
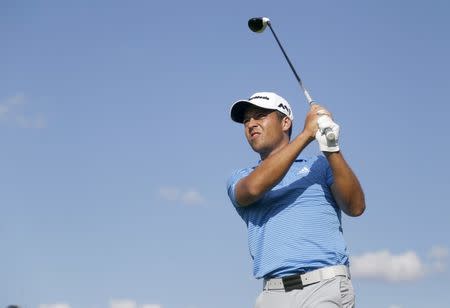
<point x="329" y="149"/>
<point x="331" y="154"/>
<point x="309" y="137"/>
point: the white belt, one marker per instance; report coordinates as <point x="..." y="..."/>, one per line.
<point x="299" y="281"/>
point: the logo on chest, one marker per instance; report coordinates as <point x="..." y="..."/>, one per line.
<point x="304" y="171"/>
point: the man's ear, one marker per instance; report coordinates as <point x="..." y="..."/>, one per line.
<point x="286" y="123"/>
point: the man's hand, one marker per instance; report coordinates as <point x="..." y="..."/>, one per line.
<point x="310" y="128"/>
<point x="324" y="121"/>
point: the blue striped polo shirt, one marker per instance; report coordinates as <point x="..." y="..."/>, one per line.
<point x="296" y="226"/>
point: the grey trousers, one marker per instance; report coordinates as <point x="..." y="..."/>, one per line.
<point x="331" y="293"/>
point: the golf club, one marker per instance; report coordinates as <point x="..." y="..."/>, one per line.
<point x="258" y="25"/>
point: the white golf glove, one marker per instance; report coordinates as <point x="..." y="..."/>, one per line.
<point x="324" y="122"/>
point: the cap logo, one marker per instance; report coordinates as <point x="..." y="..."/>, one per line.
<point x="260" y="97"/>
<point x="282" y="106"/>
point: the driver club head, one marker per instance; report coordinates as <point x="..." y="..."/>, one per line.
<point x="258" y="24"/>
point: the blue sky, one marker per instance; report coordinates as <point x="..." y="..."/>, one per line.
<point x="116" y="145"/>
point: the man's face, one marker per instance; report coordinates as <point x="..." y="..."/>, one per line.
<point x="263" y="130"/>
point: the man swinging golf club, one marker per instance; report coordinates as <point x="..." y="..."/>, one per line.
<point x="292" y="206"/>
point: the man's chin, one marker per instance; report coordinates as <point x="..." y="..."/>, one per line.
<point x="258" y="149"/>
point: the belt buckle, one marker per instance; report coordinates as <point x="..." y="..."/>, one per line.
<point x="292" y="282"/>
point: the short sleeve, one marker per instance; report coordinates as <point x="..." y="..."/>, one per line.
<point x="233" y="180"/>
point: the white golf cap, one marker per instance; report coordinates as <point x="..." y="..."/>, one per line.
<point x="266" y="100"/>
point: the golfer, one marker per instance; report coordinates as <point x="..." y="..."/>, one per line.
<point x="292" y="206"/>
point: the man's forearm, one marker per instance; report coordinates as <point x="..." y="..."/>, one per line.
<point x="346" y="188"/>
<point x="270" y="171"/>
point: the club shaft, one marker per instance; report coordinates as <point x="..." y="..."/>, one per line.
<point x="308" y="97"/>
<point x="330" y="135"/>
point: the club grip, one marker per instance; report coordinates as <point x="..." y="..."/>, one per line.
<point x="328" y="131"/>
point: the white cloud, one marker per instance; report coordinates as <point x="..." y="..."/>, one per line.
<point x="37" y="121"/>
<point x="174" y="194"/>
<point x="192" y="197"/>
<point x="8" y="104"/>
<point x="18" y="99"/>
<point x="58" y="305"/>
<point x="407" y="266"/>
<point x="11" y="109"/>
<point x="383" y="265"/>
<point x="439" y="257"/>
<point x="122" y="303"/>
<point x="439" y="252"/>
<point x="395" y="306"/>
<point x="127" y="303"/>
<point x="115" y="303"/>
